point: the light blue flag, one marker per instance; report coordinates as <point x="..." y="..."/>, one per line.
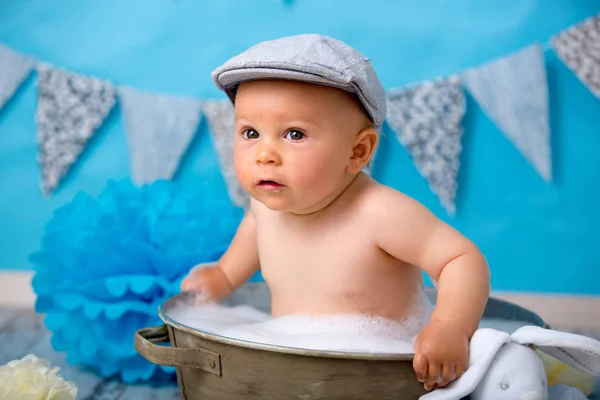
<point x="14" y="68"/>
<point x="220" y="115"/>
<point x="427" y="119"/>
<point x="160" y="129"/>
<point x="513" y="92"/>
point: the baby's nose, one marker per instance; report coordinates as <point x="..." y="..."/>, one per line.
<point x="268" y="154"/>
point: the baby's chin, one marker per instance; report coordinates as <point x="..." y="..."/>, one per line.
<point x="276" y="203"/>
<point x="283" y="204"/>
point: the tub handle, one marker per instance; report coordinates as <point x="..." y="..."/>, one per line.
<point x="146" y="343"/>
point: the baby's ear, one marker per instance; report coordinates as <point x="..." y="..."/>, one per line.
<point x="363" y="149"/>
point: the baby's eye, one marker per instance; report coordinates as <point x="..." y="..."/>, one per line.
<point x="295" y="135"/>
<point x="250" y="134"/>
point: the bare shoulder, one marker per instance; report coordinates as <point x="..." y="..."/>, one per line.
<point x="382" y="202"/>
<point x="407" y="230"/>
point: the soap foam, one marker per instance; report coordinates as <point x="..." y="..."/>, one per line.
<point x="353" y="333"/>
<point x="350" y="333"/>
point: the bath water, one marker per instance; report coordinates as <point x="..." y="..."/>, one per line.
<point x="353" y="333"/>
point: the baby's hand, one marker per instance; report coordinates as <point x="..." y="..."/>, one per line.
<point x="208" y="284"/>
<point x="441" y="353"/>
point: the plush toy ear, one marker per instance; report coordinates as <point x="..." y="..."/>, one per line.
<point x="578" y="351"/>
<point x="483" y="347"/>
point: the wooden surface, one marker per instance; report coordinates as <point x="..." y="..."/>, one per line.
<point x="22" y="332"/>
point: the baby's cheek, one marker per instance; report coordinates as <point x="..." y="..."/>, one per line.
<point x="315" y="176"/>
<point x="242" y="169"/>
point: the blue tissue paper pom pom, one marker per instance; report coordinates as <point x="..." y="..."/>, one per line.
<point x="106" y="264"/>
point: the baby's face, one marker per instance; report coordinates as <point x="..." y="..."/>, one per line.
<point x="293" y="142"/>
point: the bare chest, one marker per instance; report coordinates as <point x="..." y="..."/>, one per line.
<point x="304" y="253"/>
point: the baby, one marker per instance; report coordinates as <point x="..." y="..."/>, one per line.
<point x="327" y="237"/>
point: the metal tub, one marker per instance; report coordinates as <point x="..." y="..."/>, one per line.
<point x="212" y="367"/>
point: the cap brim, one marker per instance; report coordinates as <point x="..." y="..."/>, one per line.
<point x="228" y="81"/>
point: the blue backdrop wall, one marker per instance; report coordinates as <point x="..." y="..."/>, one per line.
<point x="536" y="236"/>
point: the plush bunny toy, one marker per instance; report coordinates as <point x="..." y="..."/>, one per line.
<point x="504" y="366"/>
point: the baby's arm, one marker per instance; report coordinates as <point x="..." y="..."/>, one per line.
<point x="235" y="267"/>
<point x="408" y="231"/>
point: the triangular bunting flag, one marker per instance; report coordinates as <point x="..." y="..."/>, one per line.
<point x="513" y="92"/>
<point x="427" y="119"/>
<point x="14" y="68"/>
<point x="221" y="119"/>
<point x="70" y="108"/>
<point x="160" y="129"/>
<point x="579" y="48"/>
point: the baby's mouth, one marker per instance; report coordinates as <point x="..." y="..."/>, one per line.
<point x="269" y="185"/>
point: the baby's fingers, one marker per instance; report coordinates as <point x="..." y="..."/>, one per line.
<point x="195" y="289"/>
<point x="190" y="284"/>
<point x="187" y="284"/>
<point x="448" y="374"/>
<point x="433" y="375"/>
<point x="421" y="366"/>
<point x="460" y="369"/>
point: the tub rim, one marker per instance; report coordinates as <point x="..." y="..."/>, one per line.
<point x="532" y="317"/>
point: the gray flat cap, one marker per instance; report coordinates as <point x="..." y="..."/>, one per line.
<point x="309" y="58"/>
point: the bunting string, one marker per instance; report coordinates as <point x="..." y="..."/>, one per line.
<point x="426" y="117"/>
